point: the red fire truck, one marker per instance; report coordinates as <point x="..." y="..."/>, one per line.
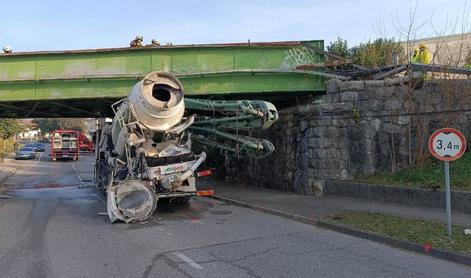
<point x="64" y="144"/>
<point x="85" y="143"/>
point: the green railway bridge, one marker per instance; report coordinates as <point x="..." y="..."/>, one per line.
<point x="84" y="83"/>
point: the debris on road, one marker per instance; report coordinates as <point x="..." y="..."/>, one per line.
<point x="51" y="185"/>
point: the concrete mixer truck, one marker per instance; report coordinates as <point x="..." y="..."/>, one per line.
<point x="145" y="153"/>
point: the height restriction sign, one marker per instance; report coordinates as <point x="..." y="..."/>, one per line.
<point x="447" y="144"/>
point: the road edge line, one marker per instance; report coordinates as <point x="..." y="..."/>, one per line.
<point x="405" y="245"/>
<point x="188" y="260"/>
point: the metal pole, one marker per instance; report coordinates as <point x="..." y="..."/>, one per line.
<point x="448" y="197"/>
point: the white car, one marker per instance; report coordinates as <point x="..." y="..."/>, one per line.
<point x="25" y="153"/>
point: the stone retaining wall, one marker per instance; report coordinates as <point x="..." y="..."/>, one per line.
<point x="357" y="128"/>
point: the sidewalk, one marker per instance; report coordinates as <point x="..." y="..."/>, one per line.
<point x="318" y="207"/>
<point x="7" y="169"/>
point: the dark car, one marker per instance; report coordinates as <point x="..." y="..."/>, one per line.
<point x="38" y="147"/>
<point x="25" y="153"/>
<point x="32" y="146"/>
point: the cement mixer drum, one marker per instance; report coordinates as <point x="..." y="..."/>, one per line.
<point x="158" y="101"/>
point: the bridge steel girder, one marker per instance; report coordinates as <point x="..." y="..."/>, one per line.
<point x="205" y="70"/>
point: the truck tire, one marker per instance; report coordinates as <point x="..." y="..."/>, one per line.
<point x="182" y="200"/>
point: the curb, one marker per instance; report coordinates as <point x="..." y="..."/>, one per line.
<point x="295" y="217"/>
<point x="414" y="247"/>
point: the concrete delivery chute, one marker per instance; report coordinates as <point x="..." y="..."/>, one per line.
<point x="146" y="153"/>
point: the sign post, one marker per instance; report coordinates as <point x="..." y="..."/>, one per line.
<point x="448" y="197"/>
<point x="447" y="144"/>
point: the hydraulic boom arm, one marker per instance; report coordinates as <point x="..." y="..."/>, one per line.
<point x="226" y="124"/>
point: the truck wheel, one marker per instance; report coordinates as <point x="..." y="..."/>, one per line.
<point x="182" y="200"/>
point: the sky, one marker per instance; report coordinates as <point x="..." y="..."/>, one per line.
<point x="70" y="24"/>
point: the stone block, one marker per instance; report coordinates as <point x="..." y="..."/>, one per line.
<point x="331" y="98"/>
<point x="332" y="132"/>
<point x="315" y="142"/>
<point x="307" y="110"/>
<point x="400" y="92"/>
<point x="391" y="128"/>
<point x="345" y="175"/>
<point x="384" y="92"/>
<point x="345" y="154"/>
<point x="332" y="86"/>
<point x="320" y="153"/>
<point x="320" y="143"/>
<point x="354" y="146"/>
<point x="339" y="123"/>
<point x="375" y="104"/>
<point x="351" y="86"/>
<point x="369" y="132"/>
<point x="403" y="120"/>
<point x="374" y="83"/>
<point x="317" y="132"/>
<point x="369" y="169"/>
<point x="349" y="96"/>
<point x="357" y="157"/>
<point x="339" y="107"/>
<point x="326" y="164"/>
<point x="392" y="104"/>
<point x="375" y="124"/>
<point x="355" y="134"/>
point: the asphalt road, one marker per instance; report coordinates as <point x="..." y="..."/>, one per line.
<point x="44" y="173"/>
<point x="52" y="228"/>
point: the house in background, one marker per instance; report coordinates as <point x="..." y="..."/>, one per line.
<point x="32" y="132"/>
<point x="449" y="50"/>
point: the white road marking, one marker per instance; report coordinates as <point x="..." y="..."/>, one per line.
<point x="188" y="260"/>
<point x="76" y="174"/>
<point x="39" y="159"/>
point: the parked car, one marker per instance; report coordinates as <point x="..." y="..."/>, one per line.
<point x="25" y="153"/>
<point x="40" y="147"/>
<point x="32" y="146"/>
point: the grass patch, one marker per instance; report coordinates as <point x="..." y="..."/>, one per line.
<point x="407" y="229"/>
<point x="428" y="176"/>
